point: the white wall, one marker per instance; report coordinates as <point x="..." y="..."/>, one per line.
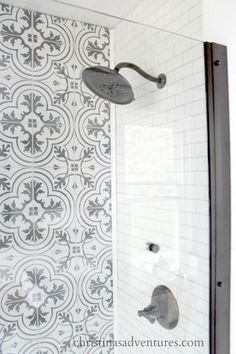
<point x="178" y="16"/>
<point x="220" y="26"/>
<point x="162" y="183"/>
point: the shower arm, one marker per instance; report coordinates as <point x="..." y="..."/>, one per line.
<point x="160" y="80"/>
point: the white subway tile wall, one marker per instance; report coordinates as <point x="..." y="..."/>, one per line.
<point x="178" y="16"/>
<point x="162" y="184"/>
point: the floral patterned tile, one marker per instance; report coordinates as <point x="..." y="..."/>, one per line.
<point x="33" y="125"/>
<point x="32" y="210"/>
<point x="16" y="41"/>
<point x="55" y="190"/>
<point x="8" y="341"/>
<point x="93" y="208"/>
<point x="53" y="128"/>
<point x="9" y="173"/>
<point x="9" y="257"/>
<point x="92" y="44"/>
<point x="53" y="38"/>
<point x="34" y="347"/>
<point x="16" y="122"/>
<point x="17" y="213"/>
<point x="62" y="178"/>
<point x="97" y="283"/>
<point x="92" y="127"/>
<point x="97" y="300"/>
<point x="36" y="296"/>
<point x="57" y="69"/>
<point x="20" y="192"/>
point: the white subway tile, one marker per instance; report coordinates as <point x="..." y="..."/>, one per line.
<point x="163" y="196"/>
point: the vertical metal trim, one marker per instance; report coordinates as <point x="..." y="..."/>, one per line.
<point x="219" y="185"/>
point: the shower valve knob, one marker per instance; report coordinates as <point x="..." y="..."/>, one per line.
<point x="163" y="308"/>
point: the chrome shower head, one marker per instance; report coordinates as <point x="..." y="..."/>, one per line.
<point x="112" y="86"/>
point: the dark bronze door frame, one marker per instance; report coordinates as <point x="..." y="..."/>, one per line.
<point x="219" y="181"/>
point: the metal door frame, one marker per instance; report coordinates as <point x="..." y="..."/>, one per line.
<point x="219" y="190"/>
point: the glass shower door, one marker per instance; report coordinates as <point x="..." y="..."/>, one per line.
<point x="162" y="196"/>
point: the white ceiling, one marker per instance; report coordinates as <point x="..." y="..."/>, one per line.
<point x="71" y="9"/>
<point x="117" y="8"/>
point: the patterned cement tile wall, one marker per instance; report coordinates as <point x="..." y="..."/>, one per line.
<point x="55" y="189"/>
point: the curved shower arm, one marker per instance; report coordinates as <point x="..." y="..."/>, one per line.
<point x="160" y="80"/>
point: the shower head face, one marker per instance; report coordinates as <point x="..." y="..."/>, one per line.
<point x="108" y="84"/>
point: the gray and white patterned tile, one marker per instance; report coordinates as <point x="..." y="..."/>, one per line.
<point x="55" y="195"/>
<point x="97" y="284"/>
<point x="33" y="124"/>
<point x="8" y="340"/>
<point x="52" y="126"/>
<point x="16" y="57"/>
<point x="33" y="347"/>
<point x="36" y="296"/>
<point x="95" y="208"/>
<point x="16" y="122"/>
<point x="92" y="44"/>
<point x="33" y="210"/>
<point x="93" y="129"/>
<point x="53" y="40"/>
<point x="16" y="214"/>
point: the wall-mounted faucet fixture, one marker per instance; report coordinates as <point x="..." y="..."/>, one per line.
<point x="112" y="86"/>
<point x="163" y="308"/>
